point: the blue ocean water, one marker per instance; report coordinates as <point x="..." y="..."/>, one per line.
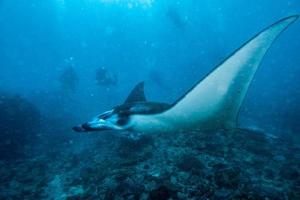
<point x="65" y="61"/>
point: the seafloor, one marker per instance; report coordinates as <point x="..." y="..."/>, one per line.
<point x="212" y="165"/>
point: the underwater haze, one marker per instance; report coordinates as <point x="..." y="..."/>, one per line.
<point x="64" y="61"/>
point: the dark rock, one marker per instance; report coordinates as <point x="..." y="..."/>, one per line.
<point x="162" y="193"/>
<point x="267" y="192"/>
<point x="269" y="174"/>
<point x="146" y="167"/>
<point x="203" y="191"/>
<point x="122" y="174"/>
<point x="129" y="147"/>
<point x="289" y="173"/>
<point x="189" y="163"/>
<point x="128" y="188"/>
<point x="259" y="149"/>
<point x="228" y="178"/>
<point x="20" y="123"/>
<point x="110" y="194"/>
<point x="220" y="166"/>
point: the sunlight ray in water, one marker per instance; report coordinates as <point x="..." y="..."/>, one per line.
<point x="129" y="3"/>
<point x="123" y="3"/>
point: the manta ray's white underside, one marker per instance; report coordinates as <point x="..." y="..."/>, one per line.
<point x="215" y="101"/>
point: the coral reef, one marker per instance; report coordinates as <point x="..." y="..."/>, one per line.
<point x="195" y="165"/>
<point x="20" y="124"/>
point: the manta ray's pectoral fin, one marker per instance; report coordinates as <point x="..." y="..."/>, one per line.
<point x="137" y="94"/>
<point x="216" y="99"/>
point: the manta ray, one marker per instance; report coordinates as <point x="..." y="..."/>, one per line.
<point x="212" y="103"/>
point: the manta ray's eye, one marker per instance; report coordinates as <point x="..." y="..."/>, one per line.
<point x="123" y="119"/>
<point x="122" y="122"/>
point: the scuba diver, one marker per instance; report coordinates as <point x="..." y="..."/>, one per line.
<point x="69" y="79"/>
<point x="105" y="78"/>
<point x="175" y="18"/>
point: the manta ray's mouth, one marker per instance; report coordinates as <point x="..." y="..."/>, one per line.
<point x="83" y="128"/>
<point x="87" y="128"/>
<point x="79" y="129"/>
